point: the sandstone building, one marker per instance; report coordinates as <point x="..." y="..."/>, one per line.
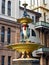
<point x="10" y="11"/>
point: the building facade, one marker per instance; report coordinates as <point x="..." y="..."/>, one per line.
<point x="9" y="30"/>
<point x="41" y="30"/>
<point x="41" y="6"/>
<point x="8" y="8"/>
<point x="10" y="11"/>
<point x="9" y="34"/>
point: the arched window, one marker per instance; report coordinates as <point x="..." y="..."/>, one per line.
<point x="2" y="34"/>
<point x="8" y="35"/>
<point x="3" y="6"/>
<point x="9" y="60"/>
<point x="9" y="8"/>
<point x="33" y="33"/>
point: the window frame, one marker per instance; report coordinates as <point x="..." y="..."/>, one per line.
<point x="9" y="60"/>
<point x="44" y="2"/>
<point x="8" y="35"/>
<point x="3" y="6"/>
<point x="2" y="33"/>
<point x="33" y="20"/>
<point x="33" y="33"/>
<point x="2" y="60"/>
<point x="9" y="8"/>
<point x="33" y="1"/>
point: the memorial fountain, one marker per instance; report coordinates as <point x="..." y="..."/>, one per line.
<point x="25" y="47"/>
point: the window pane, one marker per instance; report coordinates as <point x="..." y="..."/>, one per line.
<point x="33" y="33"/>
<point x="2" y="60"/>
<point x="8" y="35"/>
<point x="2" y="34"/>
<point x="9" y="8"/>
<point x="19" y="3"/>
<point x="44" y="2"/>
<point x="45" y="17"/>
<point x="28" y="32"/>
<point x="3" y="6"/>
<point x="32" y="19"/>
<point x="33" y="2"/>
<point x="9" y="60"/>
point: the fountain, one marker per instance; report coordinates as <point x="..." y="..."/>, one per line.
<point x="25" y="47"/>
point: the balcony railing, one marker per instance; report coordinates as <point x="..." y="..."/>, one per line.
<point x="42" y="50"/>
<point x="42" y="24"/>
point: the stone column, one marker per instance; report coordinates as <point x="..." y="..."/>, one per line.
<point x="42" y="60"/>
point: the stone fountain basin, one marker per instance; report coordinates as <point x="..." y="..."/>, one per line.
<point x="26" y="61"/>
<point x="25" y="47"/>
<point x="24" y="20"/>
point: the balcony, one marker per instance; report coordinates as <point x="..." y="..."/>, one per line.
<point x="43" y="50"/>
<point x="42" y="24"/>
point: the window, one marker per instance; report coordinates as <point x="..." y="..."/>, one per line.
<point x="2" y="34"/>
<point x="44" y="2"/>
<point x="33" y="2"/>
<point x="36" y="19"/>
<point x="37" y="2"/>
<point x="45" y="17"/>
<point x="33" y="19"/>
<point x="9" y="8"/>
<point x="33" y="33"/>
<point x="19" y="3"/>
<point x="3" y="6"/>
<point x="28" y="32"/>
<point x="47" y="61"/>
<point x="9" y="60"/>
<point x="2" y="60"/>
<point x="8" y="35"/>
